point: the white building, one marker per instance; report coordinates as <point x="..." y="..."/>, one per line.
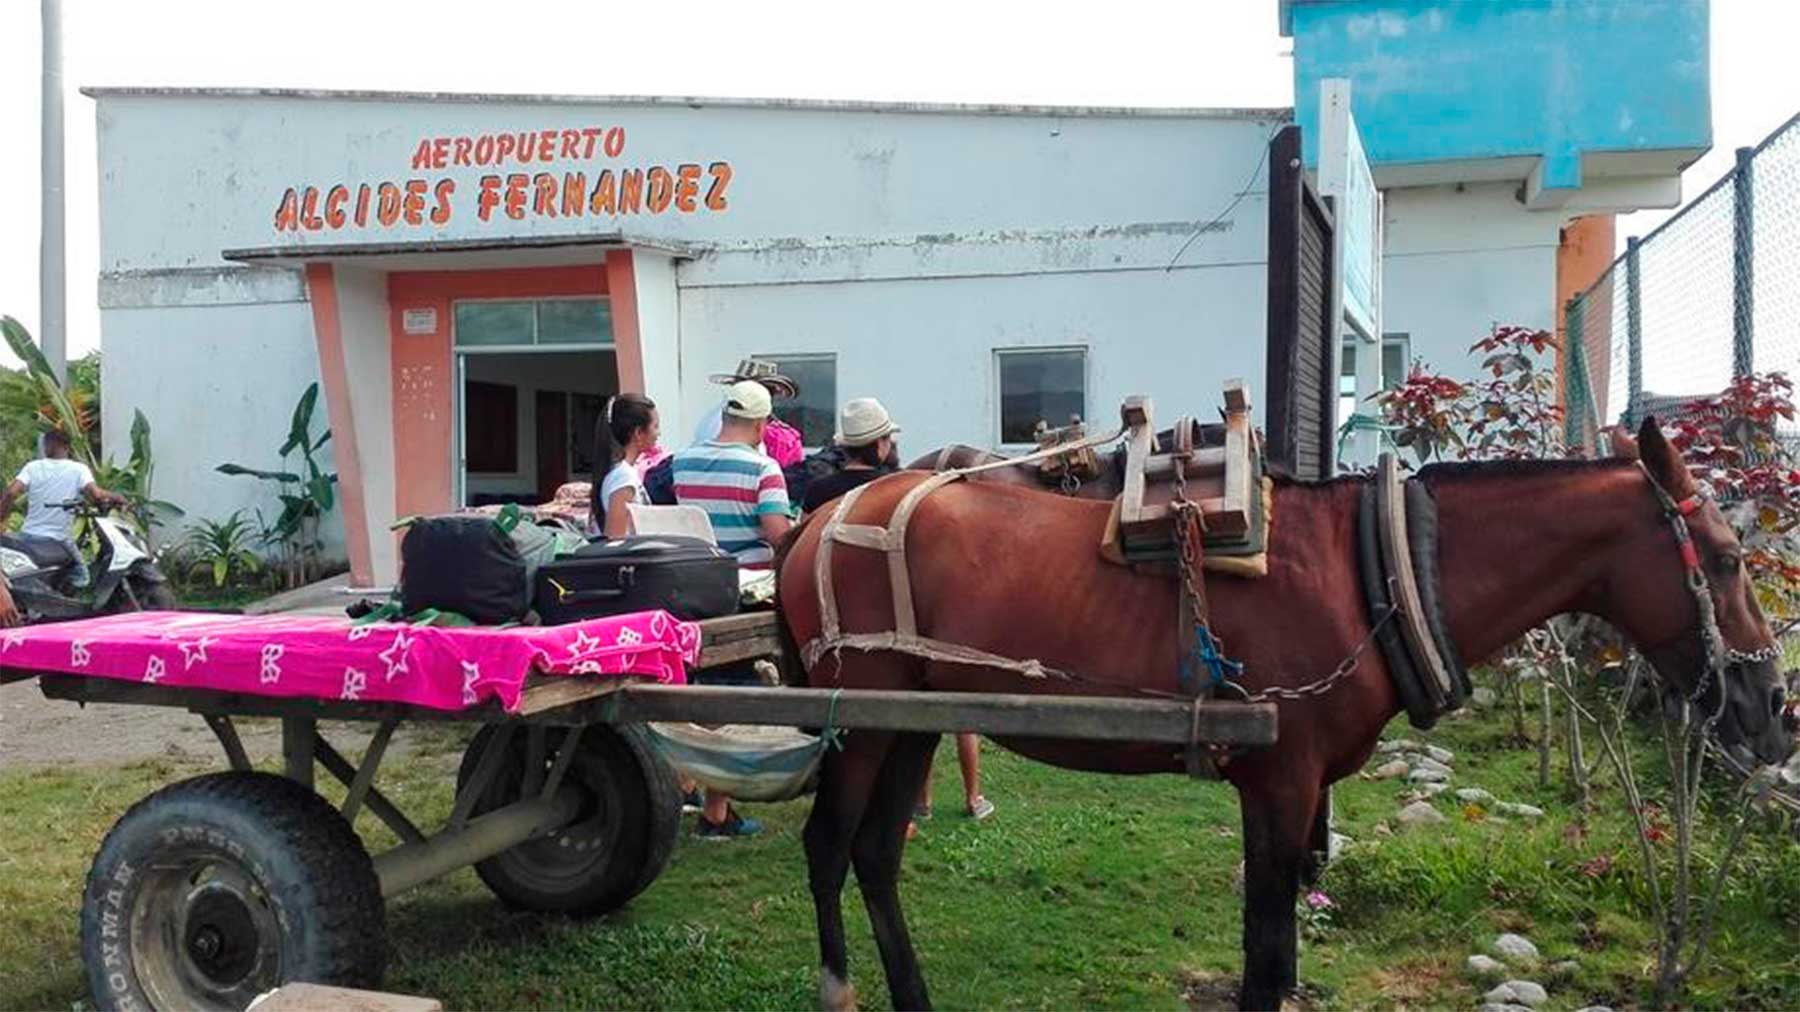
<point x="468" y="276"/>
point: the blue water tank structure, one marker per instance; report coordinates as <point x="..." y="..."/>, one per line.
<point x="1591" y="105"/>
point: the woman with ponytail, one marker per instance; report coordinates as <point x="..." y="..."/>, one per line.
<point x="627" y="427"/>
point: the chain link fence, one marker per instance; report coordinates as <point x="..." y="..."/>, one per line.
<point x="1713" y="293"/>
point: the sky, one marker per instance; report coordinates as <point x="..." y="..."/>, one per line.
<point x="1195" y="53"/>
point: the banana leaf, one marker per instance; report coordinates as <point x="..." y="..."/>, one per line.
<point x="285" y="477"/>
<point x="299" y="430"/>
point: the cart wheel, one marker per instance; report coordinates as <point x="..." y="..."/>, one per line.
<point x="216" y="889"/>
<point x="616" y="847"/>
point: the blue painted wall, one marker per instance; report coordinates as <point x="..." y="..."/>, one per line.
<point x="1450" y="80"/>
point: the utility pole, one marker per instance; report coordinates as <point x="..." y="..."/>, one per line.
<point x="52" y="298"/>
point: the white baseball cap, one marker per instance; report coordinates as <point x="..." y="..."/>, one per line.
<point x="748" y="399"/>
<point x="863" y="421"/>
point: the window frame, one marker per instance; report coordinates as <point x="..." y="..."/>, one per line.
<point x="999" y="393"/>
<point x="781" y="360"/>
<point x="534" y="345"/>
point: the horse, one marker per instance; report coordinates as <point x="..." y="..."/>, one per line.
<point x="1519" y="542"/>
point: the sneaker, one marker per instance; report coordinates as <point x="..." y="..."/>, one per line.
<point x="733" y="827"/>
<point x="921" y="812"/>
<point x="981" y="809"/>
<point x="692" y="801"/>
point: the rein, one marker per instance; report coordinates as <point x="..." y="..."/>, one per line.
<point x="1718" y="654"/>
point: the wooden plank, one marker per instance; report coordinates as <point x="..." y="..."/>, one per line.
<point x="1094" y="718"/>
<point x="320" y="998"/>
<point x="1285" y="291"/>
<point x="1201" y="462"/>
<point x="1140" y="442"/>
<point x="553" y="692"/>
<point x="1237" y="455"/>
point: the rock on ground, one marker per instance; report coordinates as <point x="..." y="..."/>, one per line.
<point x="1397" y="745"/>
<point x="1442" y="755"/>
<point x="1597" y="1008"/>
<point x="1503" y="1007"/>
<point x="1428" y="763"/>
<point x="1432" y="790"/>
<point x="1516" y="950"/>
<point x="1527" y="992"/>
<point x="1427" y="777"/>
<point x="1419" y="813"/>
<point x="1388" y="770"/>
<point x="1474" y="796"/>
<point x="1522" y="811"/>
<point x="1485" y="966"/>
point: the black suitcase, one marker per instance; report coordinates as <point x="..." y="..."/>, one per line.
<point x="686" y="577"/>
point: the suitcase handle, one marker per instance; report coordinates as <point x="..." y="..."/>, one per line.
<point x="627" y="577"/>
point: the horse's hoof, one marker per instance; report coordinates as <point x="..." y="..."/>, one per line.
<point x="835" y="993"/>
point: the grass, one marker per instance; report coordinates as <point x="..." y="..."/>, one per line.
<point x="1083" y="891"/>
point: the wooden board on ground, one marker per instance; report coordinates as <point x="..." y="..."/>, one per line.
<point x="320" y="998"/>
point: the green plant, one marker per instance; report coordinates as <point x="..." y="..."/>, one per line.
<point x="221" y="547"/>
<point x="306" y="494"/>
<point x="35" y="401"/>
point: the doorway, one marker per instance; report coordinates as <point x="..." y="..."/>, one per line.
<point x="526" y="421"/>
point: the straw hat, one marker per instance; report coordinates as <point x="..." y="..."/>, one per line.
<point x="762" y="372"/>
<point x="863" y="421"/>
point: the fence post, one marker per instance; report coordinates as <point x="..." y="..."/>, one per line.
<point x="1743" y="267"/>
<point x="1575" y="392"/>
<point x="1634" y="336"/>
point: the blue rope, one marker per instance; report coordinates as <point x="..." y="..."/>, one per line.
<point x="1206" y="654"/>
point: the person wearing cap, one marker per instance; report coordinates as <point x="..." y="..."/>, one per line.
<point x="743" y="493"/>
<point x="866" y="435"/>
<point x="781" y="441"/>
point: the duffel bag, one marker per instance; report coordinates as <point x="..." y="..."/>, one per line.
<point x="463" y="563"/>
<point x="686" y="577"/>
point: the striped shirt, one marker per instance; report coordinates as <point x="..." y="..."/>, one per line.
<point x="736" y="485"/>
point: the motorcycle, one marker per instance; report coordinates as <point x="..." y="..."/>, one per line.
<point x="123" y="576"/>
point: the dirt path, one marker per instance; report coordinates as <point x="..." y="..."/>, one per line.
<point x="36" y="732"/>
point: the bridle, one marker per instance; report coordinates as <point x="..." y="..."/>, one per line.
<point x="1718" y="655"/>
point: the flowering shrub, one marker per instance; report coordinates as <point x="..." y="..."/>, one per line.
<point x="1510" y="414"/>
<point x="1314" y="914"/>
<point x="1732" y="447"/>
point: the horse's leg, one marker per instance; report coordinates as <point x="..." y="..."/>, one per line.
<point x="1278" y="819"/>
<point x="846" y="781"/>
<point x="1318" y="841"/>
<point x="880" y="841"/>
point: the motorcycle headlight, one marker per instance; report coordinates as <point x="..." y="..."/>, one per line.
<point x="14" y="562"/>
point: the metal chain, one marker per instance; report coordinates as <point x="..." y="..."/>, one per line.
<point x="1188" y="556"/>
<point x="1319" y="687"/>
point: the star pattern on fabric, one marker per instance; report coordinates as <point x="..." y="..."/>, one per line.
<point x="13" y="638"/>
<point x="194" y="651"/>
<point x="354" y="683"/>
<point x="395" y="655"/>
<point x="584" y="644"/>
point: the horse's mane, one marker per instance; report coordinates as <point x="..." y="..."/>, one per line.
<point x="1458" y="471"/>
<point x="1475" y="470"/>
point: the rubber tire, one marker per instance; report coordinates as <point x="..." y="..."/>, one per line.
<point x="154" y="596"/>
<point x="294" y="845"/>
<point x="615" y="763"/>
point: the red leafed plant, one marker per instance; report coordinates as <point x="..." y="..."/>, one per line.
<point x="1510" y="413"/>
<point x="1732" y="445"/>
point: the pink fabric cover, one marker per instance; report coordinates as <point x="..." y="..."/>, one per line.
<point x="328" y="658"/>
<point x="781" y="442"/>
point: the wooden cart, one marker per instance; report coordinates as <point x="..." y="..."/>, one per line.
<point x="217" y="888"/>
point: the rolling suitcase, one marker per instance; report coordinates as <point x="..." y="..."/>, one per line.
<point x="687" y="577"/>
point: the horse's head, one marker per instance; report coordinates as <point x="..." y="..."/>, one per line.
<point x="1692" y="610"/>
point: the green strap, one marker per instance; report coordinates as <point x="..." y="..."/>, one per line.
<point x="831" y="736"/>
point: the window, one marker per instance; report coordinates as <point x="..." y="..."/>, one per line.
<point x="491" y="422"/>
<point x="1040" y="384"/>
<point x="1396" y="359"/>
<point x="527" y="323"/>
<point x="814" y="412"/>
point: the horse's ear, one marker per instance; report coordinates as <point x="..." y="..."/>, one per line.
<point x="1664" y="464"/>
<point x="1623" y="446"/>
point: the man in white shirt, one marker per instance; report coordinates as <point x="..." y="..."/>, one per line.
<point x="47" y="483"/>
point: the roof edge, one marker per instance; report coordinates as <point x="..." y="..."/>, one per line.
<point x="1282" y="113"/>
<point x="255" y="254"/>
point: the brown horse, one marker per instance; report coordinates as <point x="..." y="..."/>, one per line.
<point x="1014" y="572"/>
